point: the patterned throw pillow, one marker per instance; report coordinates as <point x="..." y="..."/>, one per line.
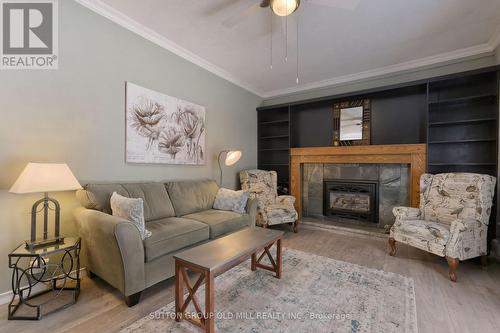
<point x="231" y="200"/>
<point x="131" y="209"/>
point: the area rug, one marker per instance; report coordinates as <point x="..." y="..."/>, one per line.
<point x="316" y="294"/>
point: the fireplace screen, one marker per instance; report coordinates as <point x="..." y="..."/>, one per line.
<point x="357" y="202"/>
<point x="351" y="199"/>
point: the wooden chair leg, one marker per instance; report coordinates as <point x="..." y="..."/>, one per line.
<point x="392" y="245"/>
<point x="133" y="299"/>
<point x="484" y="262"/>
<point x="452" y="268"/>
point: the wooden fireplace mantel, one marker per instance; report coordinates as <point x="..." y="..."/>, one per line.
<point x="413" y="154"/>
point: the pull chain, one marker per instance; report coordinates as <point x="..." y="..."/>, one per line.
<point x="298" y="20"/>
<point x="271" y="39"/>
<point x="286" y="32"/>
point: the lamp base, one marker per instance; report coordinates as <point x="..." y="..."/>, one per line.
<point x="33" y="245"/>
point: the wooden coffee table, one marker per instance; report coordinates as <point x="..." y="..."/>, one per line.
<point x="216" y="257"/>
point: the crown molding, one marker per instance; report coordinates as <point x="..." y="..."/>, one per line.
<point x="123" y="20"/>
<point x="495" y="39"/>
<point x="119" y="18"/>
<point x="440" y="59"/>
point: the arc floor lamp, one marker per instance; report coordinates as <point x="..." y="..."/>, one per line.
<point x="232" y="157"/>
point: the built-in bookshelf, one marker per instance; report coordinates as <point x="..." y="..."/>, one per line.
<point x="274" y="144"/>
<point x="456" y="115"/>
<point x="463" y="124"/>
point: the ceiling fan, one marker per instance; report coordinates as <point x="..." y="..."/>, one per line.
<point x="281" y="7"/>
<point x="284" y="8"/>
<point x="287" y="7"/>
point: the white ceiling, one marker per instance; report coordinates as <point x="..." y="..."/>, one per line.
<point x="340" y="41"/>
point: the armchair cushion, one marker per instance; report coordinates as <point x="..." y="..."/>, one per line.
<point x="279" y="213"/>
<point x="426" y="235"/>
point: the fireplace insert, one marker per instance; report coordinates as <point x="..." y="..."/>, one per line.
<point x="351" y="199"/>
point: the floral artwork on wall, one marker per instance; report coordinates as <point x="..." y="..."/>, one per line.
<point x="163" y="129"/>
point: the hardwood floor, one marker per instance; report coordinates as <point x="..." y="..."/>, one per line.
<point x="470" y="305"/>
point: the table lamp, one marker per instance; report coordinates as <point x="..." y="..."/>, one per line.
<point x="232" y="156"/>
<point x="44" y="178"/>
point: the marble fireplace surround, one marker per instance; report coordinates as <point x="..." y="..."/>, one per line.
<point x="391" y="182"/>
<point x="413" y="155"/>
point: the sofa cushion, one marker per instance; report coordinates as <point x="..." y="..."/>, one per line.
<point x="220" y="221"/>
<point x="157" y="204"/>
<point x="192" y="196"/>
<point x="172" y="234"/>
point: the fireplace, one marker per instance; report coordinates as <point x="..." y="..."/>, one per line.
<point x="351" y="199"/>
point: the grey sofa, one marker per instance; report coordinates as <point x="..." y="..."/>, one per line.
<point x="179" y="215"/>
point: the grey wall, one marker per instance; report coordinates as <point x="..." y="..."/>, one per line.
<point x="77" y="115"/>
<point x="386" y="80"/>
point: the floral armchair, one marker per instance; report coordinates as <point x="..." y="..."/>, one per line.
<point x="272" y="209"/>
<point x="452" y="220"/>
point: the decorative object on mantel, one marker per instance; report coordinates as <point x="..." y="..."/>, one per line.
<point x="232" y="157"/>
<point x="163" y="129"/>
<point x="373" y="301"/>
<point x="44" y="178"/>
<point x="351" y="123"/>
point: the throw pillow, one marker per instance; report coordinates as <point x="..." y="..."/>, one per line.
<point x="231" y="200"/>
<point x="131" y="209"/>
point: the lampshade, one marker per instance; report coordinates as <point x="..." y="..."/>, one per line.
<point x="232" y="157"/>
<point x="45" y="177"/>
<point x="284" y="7"/>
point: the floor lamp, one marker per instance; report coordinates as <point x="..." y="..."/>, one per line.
<point x="232" y="156"/>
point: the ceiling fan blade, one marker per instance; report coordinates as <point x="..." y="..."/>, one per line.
<point x="238" y="18"/>
<point x="342" y="4"/>
<point x="265" y="3"/>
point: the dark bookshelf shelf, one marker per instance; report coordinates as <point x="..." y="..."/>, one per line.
<point x="274" y="164"/>
<point x="274" y="149"/>
<point x="462" y="164"/>
<point x="462" y="141"/>
<point x="274" y="137"/>
<point x="461" y="99"/>
<point x="273" y="122"/>
<point x="461" y="122"/>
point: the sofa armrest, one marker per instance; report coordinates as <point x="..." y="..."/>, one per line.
<point x="285" y="199"/>
<point x="115" y="251"/>
<point x="468" y="239"/>
<point x="251" y="210"/>
<point x="407" y="213"/>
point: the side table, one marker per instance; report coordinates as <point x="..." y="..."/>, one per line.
<point x="51" y="269"/>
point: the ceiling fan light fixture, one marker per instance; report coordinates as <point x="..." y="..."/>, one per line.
<point x="284" y="7"/>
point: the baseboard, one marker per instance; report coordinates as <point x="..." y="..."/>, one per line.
<point x="7" y="296"/>
<point x="495" y="248"/>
